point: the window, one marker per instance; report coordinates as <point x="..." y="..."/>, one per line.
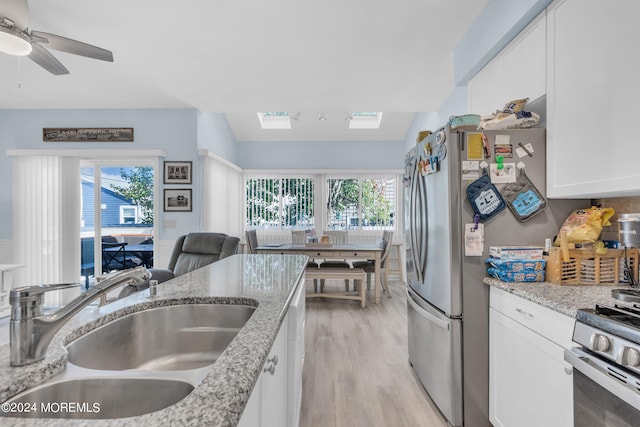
<point x="367" y="202"/>
<point x="364" y="120"/>
<point x="279" y="203"/>
<point x="274" y="120"/>
<point x="128" y="214"/>
<point x="361" y="203"/>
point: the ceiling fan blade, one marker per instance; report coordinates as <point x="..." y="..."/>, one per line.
<point x="46" y="60"/>
<point x="16" y="11"/>
<point x="75" y="47"/>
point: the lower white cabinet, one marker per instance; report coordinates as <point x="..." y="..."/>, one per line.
<point x="267" y="405"/>
<point x="530" y="384"/>
<point x="276" y="397"/>
<point x="274" y="382"/>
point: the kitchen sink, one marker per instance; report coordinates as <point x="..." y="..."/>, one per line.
<point x="96" y="398"/>
<point x="176" y="337"/>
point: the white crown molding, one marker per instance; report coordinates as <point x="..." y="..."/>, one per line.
<point x="88" y="153"/>
<point x="212" y="155"/>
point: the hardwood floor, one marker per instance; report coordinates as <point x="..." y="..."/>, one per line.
<point x="356" y="369"/>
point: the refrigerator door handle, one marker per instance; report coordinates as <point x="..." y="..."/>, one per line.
<point x="415" y="222"/>
<point x="424" y="229"/>
<point x="425" y="314"/>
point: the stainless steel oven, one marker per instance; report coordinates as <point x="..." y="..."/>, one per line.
<point x="606" y="367"/>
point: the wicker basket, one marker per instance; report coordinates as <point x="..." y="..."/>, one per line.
<point x="585" y="267"/>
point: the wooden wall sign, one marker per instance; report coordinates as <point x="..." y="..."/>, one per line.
<point x="87" y="134"/>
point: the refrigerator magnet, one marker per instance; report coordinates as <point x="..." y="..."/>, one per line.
<point x="475" y="146"/>
<point x="442" y="152"/>
<point x="503" y="175"/>
<point x="470" y="170"/>
<point x="524" y="150"/>
<point x="473" y="239"/>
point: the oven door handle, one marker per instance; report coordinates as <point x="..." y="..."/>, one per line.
<point x="602" y="373"/>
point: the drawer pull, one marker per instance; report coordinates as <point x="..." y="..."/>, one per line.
<point x="524" y="313"/>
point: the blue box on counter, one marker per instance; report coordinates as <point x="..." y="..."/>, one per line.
<point x="517" y="270"/>
<point x="516" y="276"/>
<point x="517" y="264"/>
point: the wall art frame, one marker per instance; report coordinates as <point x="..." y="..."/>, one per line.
<point x="178" y="172"/>
<point x="178" y="200"/>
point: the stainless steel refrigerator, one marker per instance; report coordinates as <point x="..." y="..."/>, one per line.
<point x="447" y="302"/>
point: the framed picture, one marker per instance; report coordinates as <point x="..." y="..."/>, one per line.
<point x="177" y="172"/>
<point x="87" y="134"/>
<point x="178" y="200"/>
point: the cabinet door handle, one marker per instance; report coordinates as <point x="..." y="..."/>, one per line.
<point x="273" y="359"/>
<point x="271" y="368"/>
<point x="568" y="370"/>
<point x="524" y="313"/>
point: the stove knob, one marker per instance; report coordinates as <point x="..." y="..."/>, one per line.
<point x="599" y="343"/>
<point x="630" y="357"/>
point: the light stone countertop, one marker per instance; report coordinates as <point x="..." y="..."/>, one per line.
<point x="265" y="281"/>
<point x="563" y="299"/>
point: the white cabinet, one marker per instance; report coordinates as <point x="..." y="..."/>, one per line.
<point x="276" y="398"/>
<point x="593" y="86"/>
<point x="518" y="71"/>
<point x="274" y="382"/>
<point x="267" y="405"/>
<point x="530" y="384"/>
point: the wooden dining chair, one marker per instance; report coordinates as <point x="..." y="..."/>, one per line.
<point x="300" y="236"/>
<point x="336" y="237"/>
<point x="251" y="237"/>
<point x="369" y="266"/>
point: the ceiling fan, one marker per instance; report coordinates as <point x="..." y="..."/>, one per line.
<point x="16" y="39"/>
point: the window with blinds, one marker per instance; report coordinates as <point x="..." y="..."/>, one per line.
<point x="363" y="203"/>
<point x="279" y="203"/>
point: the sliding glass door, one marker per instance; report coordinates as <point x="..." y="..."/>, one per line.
<point x="117" y="217"/>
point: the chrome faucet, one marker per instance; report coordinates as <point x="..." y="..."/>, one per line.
<point x="31" y="331"/>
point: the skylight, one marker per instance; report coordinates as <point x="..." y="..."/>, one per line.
<point x="275" y="120"/>
<point x="365" y="120"/>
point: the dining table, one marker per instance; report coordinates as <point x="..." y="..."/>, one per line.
<point x="321" y="251"/>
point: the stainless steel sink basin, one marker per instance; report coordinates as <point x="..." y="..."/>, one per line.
<point x="96" y="398"/>
<point x="174" y="337"/>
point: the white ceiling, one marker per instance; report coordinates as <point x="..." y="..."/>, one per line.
<point x="239" y="57"/>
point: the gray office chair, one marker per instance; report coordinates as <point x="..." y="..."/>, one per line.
<point x="369" y="266"/>
<point x="191" y="251"/>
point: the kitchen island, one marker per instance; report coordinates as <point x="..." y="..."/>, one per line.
<point x="267" y="282"/>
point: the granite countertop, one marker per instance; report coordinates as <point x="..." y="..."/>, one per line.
<point x="563" y="299"/>
<point x="265" y="281"/>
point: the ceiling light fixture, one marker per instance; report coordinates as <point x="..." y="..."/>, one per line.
<point x="322" y="117"/>
<point x="12" y="41"/>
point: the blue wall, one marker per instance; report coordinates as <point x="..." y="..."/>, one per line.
<point x="173" y="130"/>
<point x="321" y="155"/>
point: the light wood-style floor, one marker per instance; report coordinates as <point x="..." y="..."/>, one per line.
<point x="356" y="369"/>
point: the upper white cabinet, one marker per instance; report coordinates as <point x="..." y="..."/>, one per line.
<point x="592" y="93"/>
<point x="518" y="71"/>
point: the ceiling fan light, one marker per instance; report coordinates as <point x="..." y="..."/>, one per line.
<point x="14" y="42"/>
